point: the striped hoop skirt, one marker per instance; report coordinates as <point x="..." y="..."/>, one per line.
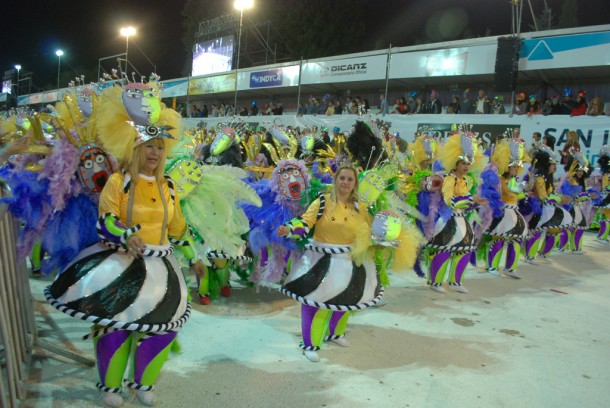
<point x="453" y="235"/>
<point x="112" y="289"/>
<point x="511" y="224"/>
<point x="325" y="277"/>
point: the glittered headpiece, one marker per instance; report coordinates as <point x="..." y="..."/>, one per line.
<point x="146" y="133"/>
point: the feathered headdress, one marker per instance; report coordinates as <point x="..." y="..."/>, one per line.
<point x="116" y="122"/>
<point x="424" y="148"/>
<point x="509" y="153"/>
<point x="284" y="146"/>
<point x="462" y="146"/>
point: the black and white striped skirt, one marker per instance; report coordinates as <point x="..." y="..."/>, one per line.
<point x="112" y="289"/>
<point x="554" y="216"/>
<point x="453" y="235"/>
<point x="579" y="221"/>
<point x="511" y="224"/>
<point x="325" y="277"/>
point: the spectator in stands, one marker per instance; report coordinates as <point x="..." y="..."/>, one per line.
<point x="243" y="111"/>
<point x="533" y="106"/>
<point x="230" y="111"/>
<point x="420" y="106"/>
<point x="204" y="111"/>
<point x="323" y="105"/>
<point x="277" y="108"/>
<point x="194" y="111"/>
<point x="412" y="102"/>
<point x="365" y="108"/>
<point x="302" y="110"/>
<point x="596" y="107"/>
<point x="454" y="106"/>
<point x="312" y="105"/>
<point x="466" y="104"/>
<point x="580" y="105"/>
<point x="497" y="105"/>
<point x="434" y="106"/>
<point x="520" y="104"/>
<point x="338" y="107"/>
<point x="568" y="103"/>
<point x="253" y="109"/>
<point x="394" y="108"/>
<point x="571" y="146"/>
<point x="483" y="104"/>
<point x="330" y="109"/>
<point x="554" y="107"/>
<point x="214" y="112"/>
<point x="349" y="104"/>
<point x="403" y="107"/>
<point x="384" y="109"/>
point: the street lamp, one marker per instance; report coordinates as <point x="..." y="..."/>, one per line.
<point x="240" y="5"/>
<point x="59" y="53"/>
<point x="18" y="68"/>
<point x="127" y="32"/>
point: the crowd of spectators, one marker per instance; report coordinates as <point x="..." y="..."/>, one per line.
<point x="416" y="103"/>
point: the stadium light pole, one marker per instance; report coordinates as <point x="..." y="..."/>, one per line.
<point x="59" y="53"/>
<point x="240" y="5"/>
<point x="18" y="68"/>
<point x="127" y="32"/>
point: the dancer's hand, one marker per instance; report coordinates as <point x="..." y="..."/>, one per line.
<point x="283" y="231"/>
<point x="135" y="246"/>
<point x="198" y="268"/>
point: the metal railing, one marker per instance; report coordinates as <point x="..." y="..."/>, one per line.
<point x="17" y="327"/>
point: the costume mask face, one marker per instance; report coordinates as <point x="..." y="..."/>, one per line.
<point x="186" y="174"/>
<point x="94" y="168"/>
<point x="385" y="228"/>
<point x="85" y="104"/>
<point x="222" y="141"/>
<point x="142" y="104"/>
<point x="370" y="187"/>
<point x="431" y="183"/>
<point x="292" y="182"/>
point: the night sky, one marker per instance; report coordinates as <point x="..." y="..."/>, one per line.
<point x="88" y="30"/>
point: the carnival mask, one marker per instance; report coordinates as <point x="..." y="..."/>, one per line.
<point x="222" y="141"/>
<point x="94" y="168"/>
<point x="85" y="103"/>
<point x="292" y="182"/>
<point x="370" y="187"/>
<point x="142" y="104"/>
<point x="385" y="228"/>
<point x="186" y="175"/>
<point x="431" y="183"/>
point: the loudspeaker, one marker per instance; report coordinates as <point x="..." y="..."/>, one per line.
<point x="507" y="64"/>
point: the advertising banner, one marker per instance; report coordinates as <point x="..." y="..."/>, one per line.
<point x="344" y="70"/>
<point x="268" y="78"/>
<point x="210" y="85"/>
<point x="475" y="60"/>
<point x="174" y="88"/>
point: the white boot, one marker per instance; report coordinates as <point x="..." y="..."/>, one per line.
<point x="112" y="399"/>
<point x="147" y="398"/>
<point x="312" y="356"/>
<point x="342" y="341"/>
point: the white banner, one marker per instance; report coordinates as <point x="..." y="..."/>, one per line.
<point x="174" y="88"/>
<point x="475" y="60"/>
<point x="344" y="70"/>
